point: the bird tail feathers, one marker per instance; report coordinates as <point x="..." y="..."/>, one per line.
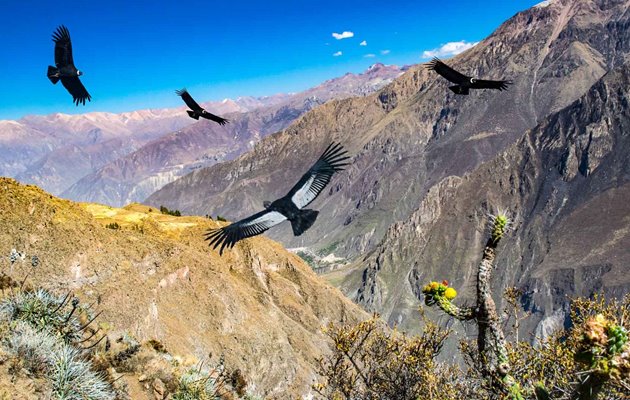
<point x="193" y="114"/>
<point x="304" y="220"/>
<point x="53" y="74"/>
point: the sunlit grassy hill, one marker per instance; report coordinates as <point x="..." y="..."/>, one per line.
<point x="152" y="275"/>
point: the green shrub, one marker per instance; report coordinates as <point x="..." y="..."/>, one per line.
<point x="175" y="213"/>
<point x="46" y="355"/>
<point x="113" y="225"/>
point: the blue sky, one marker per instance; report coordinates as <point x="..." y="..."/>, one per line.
<point x="136" y="53"/>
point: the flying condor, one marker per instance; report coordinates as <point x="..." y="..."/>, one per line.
<point x="65" y="71"/>
<point x="289" y="207"/>
<point x="464" y="83"/>
<point x="196" y="110"/>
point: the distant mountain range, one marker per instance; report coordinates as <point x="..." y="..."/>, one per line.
<point x="428" y="165"/>
<point x="120" y="158"/>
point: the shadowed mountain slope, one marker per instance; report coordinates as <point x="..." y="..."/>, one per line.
<point x="566" y="183"/>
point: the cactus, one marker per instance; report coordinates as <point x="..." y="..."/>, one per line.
<point x="499" y="225"/>
<point x="491" y="340"/>
<point x="605" y="350"/>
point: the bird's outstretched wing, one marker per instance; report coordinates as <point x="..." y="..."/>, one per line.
<point x="483" y="84"/>
<point x="447" y="72"/>
<point x="315" y="180"/>
<point x="76" y="89"/>
<point x="63" y="47"/>
<point x="192" y="104"/>
<point x="248" y="227"/>
<point x="216" y="118"/>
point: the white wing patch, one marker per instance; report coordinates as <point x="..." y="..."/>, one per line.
<point x="305" y="195"/>
<point x="269" y="219"/>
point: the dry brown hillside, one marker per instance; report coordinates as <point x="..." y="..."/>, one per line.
<point x="154" y="277"/>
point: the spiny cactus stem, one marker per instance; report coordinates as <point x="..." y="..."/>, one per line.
<point x="462" y="314"/>
<point x="491" y="340"/>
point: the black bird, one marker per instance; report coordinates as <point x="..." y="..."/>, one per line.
<point x="65" y="70"/>
<point x="197" y="111"/>
<point x="463" y="82"/>
<point x="289" y="207"/>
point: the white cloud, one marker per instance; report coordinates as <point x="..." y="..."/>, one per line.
<point x="369" y="55"/>
<point x="385" y="52"/>
<point x="363" y="43"/>
<point x="337" y="54"/>
<point x="448" y="49"/>
<point x="343" y="35"/>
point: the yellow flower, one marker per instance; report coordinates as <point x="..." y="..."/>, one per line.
<point x="434" y="285"/>
<point x="450" y="293"/>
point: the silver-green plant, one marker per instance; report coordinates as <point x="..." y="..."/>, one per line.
<point x="58" y="315"/>
<point x="200" y="384"/>
<point x="63" y="365"/>
<point x="73" y="379"/>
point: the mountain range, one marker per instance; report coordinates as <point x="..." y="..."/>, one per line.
<point x="117" y="159"/>
<point x="428" y="165"/>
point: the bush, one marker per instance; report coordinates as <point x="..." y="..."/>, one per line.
<point x="113" y="225"/>
<point x="370" y="361"/>
<point x="175" y="213"/>
<point x="61" y="364"/>
<point x="44" y="311"/>
<point x="196" y="384"/>
<point x="591" y="359"/>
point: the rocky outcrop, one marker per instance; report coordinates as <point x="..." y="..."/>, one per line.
<point x="566" y="185"/>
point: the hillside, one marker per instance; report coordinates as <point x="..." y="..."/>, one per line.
<point x="260" y="306"/>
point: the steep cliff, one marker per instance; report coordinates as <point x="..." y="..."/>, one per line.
<point x="566" y="183"/>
